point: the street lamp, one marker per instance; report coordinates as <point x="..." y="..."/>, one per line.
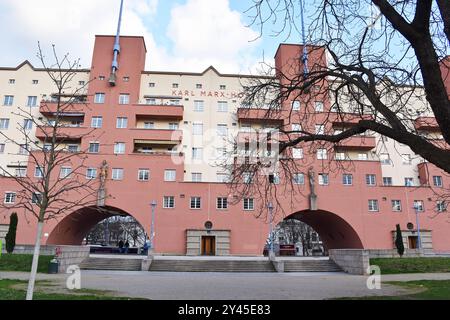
<point x="270" y="207"/>
<point x="419" y="243"/>
<point x="152" y="228"/>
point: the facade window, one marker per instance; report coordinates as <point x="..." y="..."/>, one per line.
<point x="223" y="87"/>
<point x="387" y="181"/>
<point x="418" y="205"/>
<point x="318" y="106"/>
<point x="151" y="85"/>
<point x="91" y="173"/>
<point x="27" y="124"/>
<point x="4" y="124"/>
<point x="406" y="159"/>
<point x="321" y="154"/>
<point x="296" y="127"/>
<point x="437" y="181"/>
<point x="323" y="179"/>
<point x="122" y="123"/>
<point x="150" y="101"/>
<point x="373" y="205"/>
<point x="2" y="148"/>
<point x="385" y="159"/>
<point x="222" y="203"/>
<point x="175" y="85"/>
<point x="222" y="130"/>
<point x="173" y="126"/>
<point x="347" y="179"/>
<point x="126" y="79"/>
<point x="96" y="122"/>
<point x="197" y="153"/>
<point x="396" y="205"/>
<point x="81" y="83"/>
<point x="38" y="172"/>
<point x="168" y="202"/>
<point x="222" y="106"/>
<point x="8" y="100"/>
<point x="320" y="129"/>
<point x="371" y="179"/>
<point x="295" y="105"/>
<point x="124" y="98"/>
<point x="72" y="148"/>
<point x="196" y="203"/>
<point x="196" y="177"/>
<point x="149" y="125"/>
<point x="99" y="98"/>
<point x="119" y="148"/>
<point x="21" y="172"/>
<point x="409" y="182"/>
<point x="101" y="78"/>
<point x="170" y="175"/>
<point x="144" y="175"/>
<point x="94" y="147"/>
<point x="441" y="206"/>
<point x="298" y="178"/>
<point x="274" y="178"/>
<point x="36" y="198"/>
<point x="117" y="174"/>
<point x="31" y="101"/>
<point x="197" y="129"/>
<point x="340" y="156"/>
<point x="199" y="86"/>
<point x="23" y="149"/>
<point x="10" y="197"/>
<point x="199" y="105"/>
<point x="174" y="102"/>
<point x="35" y="82"/>
<point x="297" y="153"/>
<point x="65" y="172"/>
<point x="222" y="177"/>
<point x="362" y="156"/>
<point x="247" y="177"/>
<point x="12" y="81"/>
<point x="249" y="204"/>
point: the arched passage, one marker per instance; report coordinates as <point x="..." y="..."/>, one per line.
<point x="335" y="232"/>
<point x="74" y="227"/>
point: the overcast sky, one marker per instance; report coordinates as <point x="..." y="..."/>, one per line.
<point x="183" y="35"/>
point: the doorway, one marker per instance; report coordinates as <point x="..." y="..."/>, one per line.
<point x="208" y="246"/>
<point x="412" y="242"/>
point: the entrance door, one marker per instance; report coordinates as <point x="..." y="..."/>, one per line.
<point x="208" y="246"/>
<point x="412" y="242"/>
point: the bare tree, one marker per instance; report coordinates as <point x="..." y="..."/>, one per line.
<point x="59" y="184"/>
<point x="377" y="67"/>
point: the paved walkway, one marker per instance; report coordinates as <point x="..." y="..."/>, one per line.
<point x="233" y="286"/>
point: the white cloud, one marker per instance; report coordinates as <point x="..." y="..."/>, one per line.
<point x="203" y="32"/>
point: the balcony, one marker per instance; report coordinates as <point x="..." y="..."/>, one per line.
<point x="347" y="119"/>
<point x="63" y="133"/>
<point x="48" y="108"/>
<point x="258" y="115"/>
<point x="169" y="112"/>
<point x="426" y="123"/>
<point x="157" y="136"/>
<point x="357" y="143"/>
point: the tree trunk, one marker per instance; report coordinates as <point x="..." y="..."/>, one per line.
<point x="34" y="265"/>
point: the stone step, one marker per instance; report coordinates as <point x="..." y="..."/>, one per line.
<point x="111" y="264"/>
<point x="211" y="266"/>
<point x="311" y="266"/>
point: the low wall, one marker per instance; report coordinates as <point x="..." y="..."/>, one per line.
<point x="392" y="253"/>
<point x="353" y="261"/>
<point x="68" y="255"/>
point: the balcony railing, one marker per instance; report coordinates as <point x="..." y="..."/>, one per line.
<point x="259" y="114"/>
<point x="174" y="112"/>
<point x="63" y="133"/>
<point x="426" y="123"/>
<point x="357" y="143"/>
<point x="158" y="135"/>
<point x="72" y="109"/>
<point x="347" y="119"/>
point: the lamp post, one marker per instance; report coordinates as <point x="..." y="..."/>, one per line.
<point x="419" y="240"/>
<point x="270" y="207"/>
<point x="152" y="227"/>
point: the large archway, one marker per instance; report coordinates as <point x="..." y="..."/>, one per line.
<point x="335" y="232"/>
<point x="73" y="228"/>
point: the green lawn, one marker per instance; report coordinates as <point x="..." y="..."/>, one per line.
<point x="412" y="265"/>
<point x="426" y="290"/>
<point x="15" y="290"/>
<point x="22" y="262"/>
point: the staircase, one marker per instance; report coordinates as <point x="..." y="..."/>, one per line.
<point x="310" y="266"/>
<point x="111" y="264"/>
<point x="211" y="265"/>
